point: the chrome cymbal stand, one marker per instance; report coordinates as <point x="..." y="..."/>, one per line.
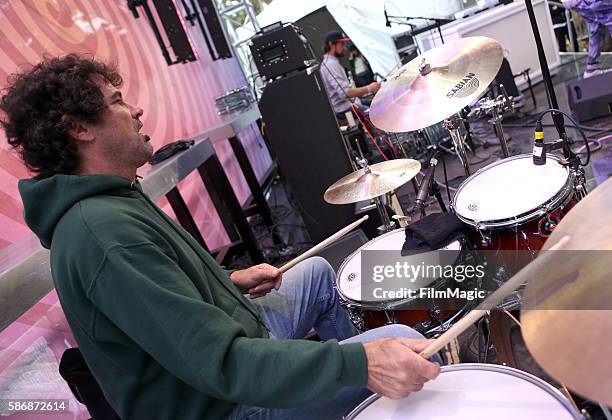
<point x="453" y="125"/>
<point x="387" y="224"/>
<point x="495" y="108"/>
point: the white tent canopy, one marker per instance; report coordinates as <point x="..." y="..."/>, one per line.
<point x="361" y="20"/>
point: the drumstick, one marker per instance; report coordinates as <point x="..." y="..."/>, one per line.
<point x="323" y="244"/>
<point x="493" y="300"/>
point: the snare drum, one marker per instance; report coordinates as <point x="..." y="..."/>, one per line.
<point x="474" y="391"/>
<point x="372" y="314"/>
<point x="513" y="204"/>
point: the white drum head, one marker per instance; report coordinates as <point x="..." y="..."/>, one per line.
<point x="475" y="392"/>
<point x="509" y="188"/>
<point x="349" y="274"/>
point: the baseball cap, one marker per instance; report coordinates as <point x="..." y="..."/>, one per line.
<point x="335" y="36"/>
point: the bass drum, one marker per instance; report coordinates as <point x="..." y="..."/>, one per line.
<point x="473" y="391"/>
<point x="433" y="318"/>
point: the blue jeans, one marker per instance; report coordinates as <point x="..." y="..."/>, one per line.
<point x="308" y="299"/>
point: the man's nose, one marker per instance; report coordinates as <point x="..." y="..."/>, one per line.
<point x="137" y="112"/>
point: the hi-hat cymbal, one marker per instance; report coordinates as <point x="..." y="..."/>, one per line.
<point x="383" y="177"/>
<point x="436" y="84"/>
<point x="566" y="314"/>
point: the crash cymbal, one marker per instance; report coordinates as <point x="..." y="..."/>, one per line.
<point x="383" y="177"/>
<point x="436" y="84"/>
<point x="566" y="314"/>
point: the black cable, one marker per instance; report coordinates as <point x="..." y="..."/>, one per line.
<point x="446" y="179"/>
<point x="577" y="126"/>
<point x="574" y="126"/>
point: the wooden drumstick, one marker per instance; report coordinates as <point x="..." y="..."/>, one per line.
<point x="493" y="300"/>
<point x="323" y="244"/>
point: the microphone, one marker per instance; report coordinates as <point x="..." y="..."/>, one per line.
<point x="539" y="151"/>
<point x="426" y="183"/>
<point x="387" y="22"/>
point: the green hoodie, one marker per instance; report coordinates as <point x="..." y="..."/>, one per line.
<point x="161" y="326"/>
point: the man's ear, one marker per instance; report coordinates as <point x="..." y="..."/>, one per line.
<point x="77" y="129"/>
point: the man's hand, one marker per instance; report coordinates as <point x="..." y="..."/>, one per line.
<point x="374" y="87"/>
<point x="395" y="369"/>
<point x="257" y="280"/>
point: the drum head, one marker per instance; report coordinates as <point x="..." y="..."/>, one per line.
<point x="474" y="391"/>
<point x="349" y="274"/>
<point x="509" y="188"/>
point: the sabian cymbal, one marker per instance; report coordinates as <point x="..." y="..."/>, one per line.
<point x="566" y="314"/>
<point x="436" y="84"/>
<point x="383" y="178"/>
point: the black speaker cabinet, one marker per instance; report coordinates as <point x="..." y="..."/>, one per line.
<point x="304" y="135"/>
<point x="590" y="98"/>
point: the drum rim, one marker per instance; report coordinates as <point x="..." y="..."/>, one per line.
<point x="545" y="386"/>
<point x="347" y="259"/>
<point x="557" y="199"/>
<point x="372" y="305"/>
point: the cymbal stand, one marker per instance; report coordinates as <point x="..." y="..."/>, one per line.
<point x="453" y="125"/>
<point x="387" y="224"/>
<point x="495" y="108"/>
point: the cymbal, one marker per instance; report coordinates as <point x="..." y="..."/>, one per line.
<point x="566" y="314"/>
<point x="436" y="84"/>
<point x="383" y="178"/>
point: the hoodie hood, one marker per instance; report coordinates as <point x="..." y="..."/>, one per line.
<point x="46" y="200"/>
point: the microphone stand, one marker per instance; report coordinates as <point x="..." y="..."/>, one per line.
<point x="550" y="91"/>
<point x="432" y="189"/>
<point x="438" y="22"/>
<point x="570" y="156"/>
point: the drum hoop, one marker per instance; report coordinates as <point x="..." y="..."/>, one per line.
<point x="545" y="386"/>
<point x="557" y="199"/>
<point x="349" y="258"/>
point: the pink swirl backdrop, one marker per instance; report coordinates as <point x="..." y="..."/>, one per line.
<point x="177" y="100"/>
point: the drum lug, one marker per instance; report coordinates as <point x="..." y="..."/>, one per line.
<point x="357" y="320"/>
<point x="391" y="319"/>
<point x="354" y="315"/>
<point x="547" y="225"/>
<point x="485" y="240"/>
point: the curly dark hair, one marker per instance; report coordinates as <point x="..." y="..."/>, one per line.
<point x="36" y="100"/>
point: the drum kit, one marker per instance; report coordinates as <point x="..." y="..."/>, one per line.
<point x="511" y="205"/>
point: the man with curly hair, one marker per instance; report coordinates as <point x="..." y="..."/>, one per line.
<point x="168" y="333"/>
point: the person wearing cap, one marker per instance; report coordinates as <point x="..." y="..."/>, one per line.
<point x="337" y="84"/>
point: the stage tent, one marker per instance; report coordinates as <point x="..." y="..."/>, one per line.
<point x="361" y="20"/>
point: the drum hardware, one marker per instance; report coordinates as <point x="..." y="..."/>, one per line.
<point x="453" y="125"/>
<point x="373" y="182"/>
<point x="580" y="182"/>
<point x="436" y="84"/>
<point x="391" y="319"/>
<point x="429" y="187"/>
<point x="495" y="108"/>
<point x="354" y="314"/>
<point x="485" y="240"/>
